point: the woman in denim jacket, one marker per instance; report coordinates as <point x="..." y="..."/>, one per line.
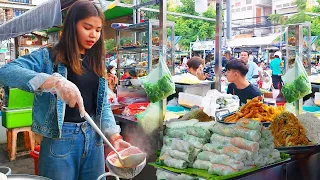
<point x="67" y="81"/>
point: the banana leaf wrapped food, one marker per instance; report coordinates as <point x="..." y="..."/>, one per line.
<point x="250" y="124"/>
<point x="175" y="163"/>
<point x="195" y="141"/>
<point x="216" y="138"/>
<point x="245" y="144"/>
<point x="182" y="155"/>
<point x="198" y="132"/>
<point x="221" y="170"/>
<point x="200" y="164"/>
<point x="181" y="145"/>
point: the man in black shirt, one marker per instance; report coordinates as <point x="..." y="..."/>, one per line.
<point x="236" y="75"/>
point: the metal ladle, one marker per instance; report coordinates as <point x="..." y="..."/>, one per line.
<point x="132" y="160"/>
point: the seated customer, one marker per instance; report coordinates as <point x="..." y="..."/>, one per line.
<point x="196" y="66"/>
<point x="239" y="85"/>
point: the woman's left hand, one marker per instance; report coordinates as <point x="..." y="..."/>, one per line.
<point x="118" y="144"/>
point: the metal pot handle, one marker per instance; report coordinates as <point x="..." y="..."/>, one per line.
<point x="108" y="174"/>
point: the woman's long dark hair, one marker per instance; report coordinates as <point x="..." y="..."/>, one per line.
<point x="67" y="49"/>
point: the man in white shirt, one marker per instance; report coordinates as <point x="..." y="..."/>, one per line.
<point x="185" y="60"/>
<point x="253" y="72"/>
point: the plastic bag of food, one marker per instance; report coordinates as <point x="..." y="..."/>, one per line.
<point x="200" y="164"/>
<point x="175" y="163"/>
<point x="159" y="84"/>
<point x="250" y="124"/>
<point x="181" y="145"/>
<point x="150" y="119"/>
<point x="245" y="144"/>
<point x="221" y="170"/>
<point x="296" y="82"/>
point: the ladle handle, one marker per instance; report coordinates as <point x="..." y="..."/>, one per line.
<point x="95" y="127"/>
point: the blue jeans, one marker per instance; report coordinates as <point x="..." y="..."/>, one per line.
<point x="78" y="154"/>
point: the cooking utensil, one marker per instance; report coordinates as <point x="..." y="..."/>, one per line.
<point x="132" y="160"/>
<point x="125" y="173"/>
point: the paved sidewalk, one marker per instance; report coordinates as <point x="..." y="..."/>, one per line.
<point x="22" y="165"/>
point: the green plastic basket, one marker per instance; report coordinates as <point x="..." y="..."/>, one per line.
<point x="19" y="99"/>
<point x="16" y="118"/>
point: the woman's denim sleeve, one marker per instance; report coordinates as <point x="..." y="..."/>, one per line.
<point x="25" y="72"/>
<point x="109" y="125"/>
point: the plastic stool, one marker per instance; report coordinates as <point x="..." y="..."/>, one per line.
<point x="12" y="141"/>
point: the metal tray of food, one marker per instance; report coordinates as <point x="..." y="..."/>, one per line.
<point x="299" y="149"/>
<point x="221" y="118"/>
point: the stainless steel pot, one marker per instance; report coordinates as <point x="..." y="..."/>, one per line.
<point x="26" y="177"/>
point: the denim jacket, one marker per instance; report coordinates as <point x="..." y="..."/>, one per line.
<point x="29" y="72"/>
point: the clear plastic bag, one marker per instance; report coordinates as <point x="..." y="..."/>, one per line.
<point x="159" y="84"/>
<point x="296" y="82"/>
<point x="150" y="119"/>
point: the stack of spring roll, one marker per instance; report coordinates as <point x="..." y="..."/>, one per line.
<point x="237" y="147"/>
<point x="184" y="141"/>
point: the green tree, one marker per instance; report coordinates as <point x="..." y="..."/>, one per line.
<point x="110" y="45"/>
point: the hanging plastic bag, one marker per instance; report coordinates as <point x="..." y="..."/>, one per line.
<point x="296" y="82"/>
<point x="159" y="84"/>
<point x="149" y="119"/>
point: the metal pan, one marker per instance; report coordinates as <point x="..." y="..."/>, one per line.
<point x="299" y="149"/>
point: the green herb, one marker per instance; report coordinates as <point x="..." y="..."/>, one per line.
<point x="296" y="90"/>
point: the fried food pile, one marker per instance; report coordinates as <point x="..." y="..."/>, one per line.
<point x="255" y="109"/>
<point x="287" y="131"/>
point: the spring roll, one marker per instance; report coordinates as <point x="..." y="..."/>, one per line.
<point x="176" y="132"/>
<point x="182" y="124"/>
<point x="168" y="140"/>
<point x="213" y="147"/>
<point x="266" y="133"/>
<point x="266" y="143"/>
<point x="223" y="130"/>
<point x="226" y="160"/>
<point x="205" y="125"/>
<point x="250" y="124"/>
<point x="216" y="138"/>
<point x="181" y="155"/>
<point x="245" y="144"/>
<point x="251" y="135"/>
<point x="206" y="155"/>
<point x="200" y="164"/>
<point x="195" y="153"/>
<point x="195" y="141"/>
<point x="181" y="145"/>
<point x="198" y="132"/>
<point x="221" y="170"/>
<point x="234" y="152"/>
<point x="175" y="163"/>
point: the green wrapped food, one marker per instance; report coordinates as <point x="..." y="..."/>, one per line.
<point x="213" y="147"/>
<point x="205" y="155"/>
<point x="266" y="133"/>
<point x="181" y="124"/>
<point x="245" y="144"/>
<point x="266" y="143"/>
<point x="161" y="90"/>
<point x="195" y="141"/>
<point x="168" y="140"/>
<point x="176" y="132"/>
<point x="175" y="163"/>
<point x="164" y="152"/>
<point x="226" y="160"/>
<point x="205" y="125"/>
<point x="199" y="164"/>
<point x="198" y="132"/>
<point x="224" y="130"/>
<point x="181" y="145"/>
<point x="251" y="135"/>
<point x="296" y="90"/>
<point x="221" y="170"/>
<point x="265" y="151"/>
<point x="250" y="124"/>
<point x="216" y="138"/>
<point x="234" y="152"/>
<point x="181" y="155"/>
<point x="251" y="155"/>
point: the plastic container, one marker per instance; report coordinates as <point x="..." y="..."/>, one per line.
<point x="5" y="170"/>
<point x="135" y="108"/>
<point x="19" y="99"/>
<point x="35" y="155"/>
<point x="189" y="100"/>
<point x="16" y="118"/>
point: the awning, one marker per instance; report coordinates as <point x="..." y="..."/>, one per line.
<point x="46" y="15"/>
<point x="254" y="41"/>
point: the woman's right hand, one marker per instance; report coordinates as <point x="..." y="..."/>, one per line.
<point x="65" y="90"/>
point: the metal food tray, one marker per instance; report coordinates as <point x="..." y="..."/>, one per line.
<point x="299" y="149"/>
<point x="221" y="119"/>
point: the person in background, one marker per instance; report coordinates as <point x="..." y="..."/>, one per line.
<point x="112" y="78"/>
<point x="239" y="85"/>
<point x="68" y="82"/>
<point x="275" y="66"/>
<point x="253" y="72"/>
<point x="226" y="58"/>
<point x="196" y="66"/>
<point x="126" y="74"/>
<point x="185" y="60"/>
